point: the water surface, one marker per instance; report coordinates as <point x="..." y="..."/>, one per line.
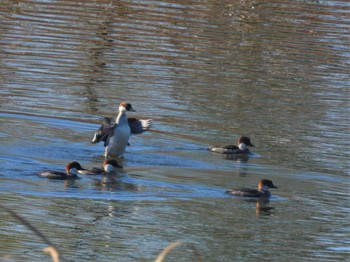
<point x="206" y="73"/>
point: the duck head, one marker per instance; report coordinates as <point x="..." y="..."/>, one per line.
<point x="243" y="142"/>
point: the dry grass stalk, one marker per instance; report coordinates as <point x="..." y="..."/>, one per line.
<point x="173" y="245"/>
<point x="166" y="250"/>
<point x="51" y="249"/>
<point x="53" y="252"/>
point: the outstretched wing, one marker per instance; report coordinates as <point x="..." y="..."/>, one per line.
<point x="106" y="130"/>
<point x="103" y="134"/>
<point x="108" y="121"/>
<point x="138" y="126"/>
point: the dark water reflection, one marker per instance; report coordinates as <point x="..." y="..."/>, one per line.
<point x="206" y="72"/>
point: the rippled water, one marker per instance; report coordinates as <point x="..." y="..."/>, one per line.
<point x="206" y="72"/>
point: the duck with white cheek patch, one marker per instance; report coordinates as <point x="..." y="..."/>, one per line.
<point x="262" y="191"/>
<point x="72" y="169"/>
<point x="241" y="147"/>
<point x="108" y="167"/>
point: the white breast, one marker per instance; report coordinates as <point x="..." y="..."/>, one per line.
<point x="119" y="141"/>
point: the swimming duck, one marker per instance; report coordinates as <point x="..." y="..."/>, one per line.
<point x="262" y="191"/>
<point x="108" y="167"/>
<point x="110" y="174"/>
<point x="72" y="169"/>
<point x="242" y="147"/>
<point x="116" y="136"/>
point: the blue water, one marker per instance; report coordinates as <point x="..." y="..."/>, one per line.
<point x="206" y="73"/>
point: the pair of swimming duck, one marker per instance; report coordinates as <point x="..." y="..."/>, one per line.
<point x="242" y="149"/>
<point x="116" y="137"/>
<point x="74" y="168"/>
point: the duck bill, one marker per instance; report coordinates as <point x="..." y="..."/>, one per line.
<point x="130" y="109"/>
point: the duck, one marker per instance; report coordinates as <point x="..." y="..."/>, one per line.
<point x="116" y="135"/>
<point x="109" y="166"/>
<point x="72" y="169"/>
<point x="262" y="192"/>
<point x="110" y="174"/>
<point x="242" y="147"/>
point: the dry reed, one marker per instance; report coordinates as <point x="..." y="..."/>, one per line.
<point x="51" y="249"/>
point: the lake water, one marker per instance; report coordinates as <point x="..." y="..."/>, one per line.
<point x="206" y="72"/>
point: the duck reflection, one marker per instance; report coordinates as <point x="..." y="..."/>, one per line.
<point x="70" y="183"/>
<point x="116" y="209"/>
<point x="243" y="158"/>
<point x="263" y="208"/>
<point x="113" y="182"/>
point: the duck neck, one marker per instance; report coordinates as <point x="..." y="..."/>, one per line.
<point x="242" y="146"/>
<point x="262" y="188"/>
<point x="72" y="172"/>
<point x="121" y="116"/>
